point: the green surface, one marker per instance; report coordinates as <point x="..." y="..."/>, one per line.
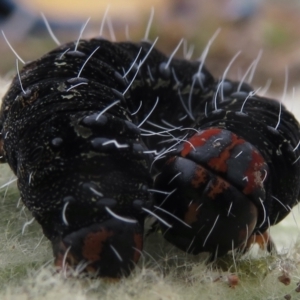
<point x="26" y="270"/>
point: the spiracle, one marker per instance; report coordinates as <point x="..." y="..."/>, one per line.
<point x="77" y="129"/>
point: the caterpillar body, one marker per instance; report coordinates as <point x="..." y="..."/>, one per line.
<point x="77" y="130"/>
<point x="231" y="175"/>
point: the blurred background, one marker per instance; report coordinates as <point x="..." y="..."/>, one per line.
<point x="247" y="25"/>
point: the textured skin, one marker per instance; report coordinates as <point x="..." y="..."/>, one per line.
<point x="54" y="139"/>
<point x="263" y="170"/>
<point x="75" y="143"/>
<point x="212" y="191"/>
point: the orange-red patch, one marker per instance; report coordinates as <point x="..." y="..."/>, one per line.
<point x="217" y="188"/>
<point x="200" y="177"/>
<point x="198" y="139"/>
<point x="220" y="163"/>
<point x="190" y="216"/>
<point x="93" y="244"/>
<point x="263" y="240"/>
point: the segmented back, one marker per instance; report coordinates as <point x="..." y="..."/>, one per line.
<point x="81" y="140"/>
<point x="233" y="179"/>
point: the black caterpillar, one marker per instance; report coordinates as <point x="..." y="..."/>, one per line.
<point x="77" y="129"/>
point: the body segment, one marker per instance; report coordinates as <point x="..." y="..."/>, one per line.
<point x="86" y="136"/>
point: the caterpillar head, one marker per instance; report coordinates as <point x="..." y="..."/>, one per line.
<point x="217" y="183"/>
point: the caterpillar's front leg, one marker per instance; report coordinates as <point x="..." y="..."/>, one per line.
<point x="85" y="179"/>
<point x="70" y="138"/>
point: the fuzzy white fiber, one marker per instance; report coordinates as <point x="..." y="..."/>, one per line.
<point x="26" y="270"/>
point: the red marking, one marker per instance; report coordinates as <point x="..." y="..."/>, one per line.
<point x="255" y="173"/>
<point x="263" y="240"/>
<point x="200" y="177"/>
<point x="218" y="187"/>
<point x="198" y="139"/>
<point x="138" y="241"/>
<point x="191" y="216"/>
<point x="93" y="243"/>
<point x="219" y="163"/>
